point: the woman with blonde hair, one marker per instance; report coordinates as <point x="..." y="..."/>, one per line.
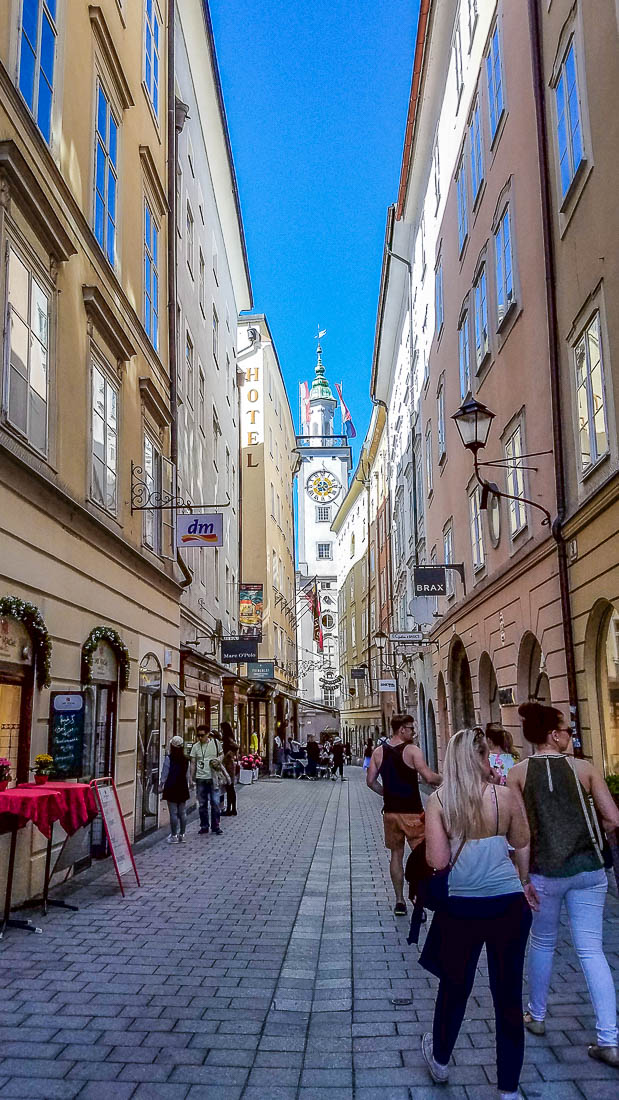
<point x="469" y="822"/>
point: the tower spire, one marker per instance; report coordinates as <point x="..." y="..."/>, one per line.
<point x="320" y="386"/>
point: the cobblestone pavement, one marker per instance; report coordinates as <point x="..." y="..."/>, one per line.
<point x="261" y="965"/>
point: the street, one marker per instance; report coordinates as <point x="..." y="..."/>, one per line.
<point x="260" y="965"/>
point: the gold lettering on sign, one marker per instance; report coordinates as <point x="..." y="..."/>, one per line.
<point x="252" y="439"/>
<point x="253" y="396"/>
<point x="252" y="465"/>
<point x="252" y="374"/>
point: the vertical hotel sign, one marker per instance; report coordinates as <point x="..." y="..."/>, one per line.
<point x="252" y="413"/>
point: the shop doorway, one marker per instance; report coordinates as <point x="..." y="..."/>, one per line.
<point x="432" y="748"/>
<point x="149" y="737"/>
<point x="489" y="709"/>
<point x="100" y="708"/>
<point x="459" y="676"/>
<point x="608" y="689"/>
<point x="16" y="688"/>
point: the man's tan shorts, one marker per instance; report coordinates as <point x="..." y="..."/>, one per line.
<point x="399" y="827"/>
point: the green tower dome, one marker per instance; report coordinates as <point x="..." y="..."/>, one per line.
<point x="320" y="386"/>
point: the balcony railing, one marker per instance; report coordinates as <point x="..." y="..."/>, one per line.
<point x="323" y="441"/>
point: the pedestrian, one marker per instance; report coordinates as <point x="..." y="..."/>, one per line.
<point x="253" y="742"/>
<point x="229" y="763"/>
<point x="348" y="753"/>
<point x="565" y="863"/>
<point x="227" y="735"/>
<point x="367" y="753"/>
<point x="501" y="757"/>
<point x="202" y="753"/>
<point x="313" y="757"/>
<point x="338" y="758"/>
<point x="393" y="773"/>
<point x="469" y="822"/>
<point x="175" y="788"/>
<point x="278" y="754"/>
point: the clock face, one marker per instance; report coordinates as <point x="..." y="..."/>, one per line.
<point x="323" y="486"/>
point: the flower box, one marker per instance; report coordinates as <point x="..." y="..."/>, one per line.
<point x="246" y="775"/>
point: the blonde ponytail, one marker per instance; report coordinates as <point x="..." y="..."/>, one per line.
<point x="463" y="784"/>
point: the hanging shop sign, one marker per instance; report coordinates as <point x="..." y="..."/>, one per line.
<point x="238" y="649"/>
<point x="66" y="733"/>
<point x="430" y="580"/>
<point x="261" y="670"/>
<point x="357" y="673"/>
<point x="407" y="636"/>
<point x="251" y="604"/>
<point x="200" y="529"/>
<point x="386" y="685"/>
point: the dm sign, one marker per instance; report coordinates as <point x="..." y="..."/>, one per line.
<point x="430" y="580"/>
<point x="200" y="529"/>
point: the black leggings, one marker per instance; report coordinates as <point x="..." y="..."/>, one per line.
<point x="231" y="799"/>
<point x="503" y="925"/>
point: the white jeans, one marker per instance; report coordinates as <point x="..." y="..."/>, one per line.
<point x="584" y="897"/>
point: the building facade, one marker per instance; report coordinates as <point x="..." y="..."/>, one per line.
<point x="269" y="465"/>
<point x="85" y="431"/>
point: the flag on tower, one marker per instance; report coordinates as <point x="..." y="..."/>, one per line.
<point x="304" y="397"/>
<point x="347" y="424"/>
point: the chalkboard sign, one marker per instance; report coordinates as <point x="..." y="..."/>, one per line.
<point x="66" y="733"/>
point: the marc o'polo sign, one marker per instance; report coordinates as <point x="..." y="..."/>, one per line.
<point x="238" y="649"/>
<point x="430" y="580"/>
<point x="200" y="529"/>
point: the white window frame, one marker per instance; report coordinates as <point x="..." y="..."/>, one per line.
<point x="504" y="273"/>
<point x="589" y="407"/>
<point x="110" y="172"/>
<point x="476" y="527"/>
<point x="476" y="151"/>
<point x="190" y="226"/>
<point x="323" y="513"/>
<point x="472" y="7"/>
<point x="438" y="297"/>
<point x="441" y="441"/>
<point x="457" y="55"/>
<point x="324" y="551"/>
<point x="566" y="150"/>
<point x="14" y="319"/>
<point x="38" y="74"/>
<point x="464" y="353"/>
<point x="152" y="59"/>
<point x="515" y="481"/>
<point x="151" y="274"/>
<point x="201" y="280"/>
<point x="190" y="358"/>
<point x="429" y="461"/>
<point x="215" y="333"/>
<point x="436" y="171"/>
<point x="496" y="83"/>
<point x="448" y="556"/>
<point x="111" y="397"/>
<point x="480" y="309"/>
<point x="216" y="438"/>
<point x="461" y="195"/>
<point x="152" y="525"/>
<point x="201" y="398"/>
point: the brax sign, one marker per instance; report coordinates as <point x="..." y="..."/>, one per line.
<point x="200" y="529"/>
<point x="430" y="580"/>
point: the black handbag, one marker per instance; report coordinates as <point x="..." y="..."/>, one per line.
<point x="436" y="886"/>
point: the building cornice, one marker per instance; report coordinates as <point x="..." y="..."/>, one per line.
<point x="17" y="176"/>
<point x="423" y="23"/>
<point x="598" y="503"/>
<point x="105" y="41"/>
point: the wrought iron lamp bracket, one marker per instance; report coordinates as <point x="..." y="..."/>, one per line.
<point x="144" y="499"/>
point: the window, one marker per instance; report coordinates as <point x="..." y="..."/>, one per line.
<point x="353" y="630"/>
<point x="151" y="54"/>
<point x="448" y="556"/>
<point x="179" y="200"/>
<point x="464" y="354"/>
<point x="189" y="241"/>
<point x="440" y="419"/>
<point x="271" y="442"/>
<point x="28" y="368"/>
<point x="373" y="616"/>
<point x="215" y="336"/>
<point x="324" y="551"/>
<point x="480" y="294"/>
<point x="201" y="280"/>
<point x="569" y="129"/>
<point x="438" y="297"/>
<point x="217" y="573"/>
<point x="504" y="266"/>
<point x="152" y="477"/>
<point x="495" y="82"/>
<point x="36" y="60"/>
<point x="472" y="18"/>
<point x="151" y="276"/>
<point x="215" y="265"/>
<point x="436" y="170"/>
<point x="422" y="245"/>
<point x="104" y="440"/>
<point x="352" y="545"/>
<point x="477" y="537"/>
<point x="429" y="470"/>
<point x="477" y="163"/>
<point x="216" y="435"/>
<point x="515" y="481"/>
<point x="106" y="175"/>
<point x="433" y="561"/>
<point x="189" y="354"/>
<point x="201" y="401"/>
<point x="592" y="430"/>
<point x="462" y="214"/>
<point x="272" y="500"/>
<point x="457" y="55"/>
<point x="190" y="161"/>
<point x="323" y="513"/>
<point x="328" y="621"/>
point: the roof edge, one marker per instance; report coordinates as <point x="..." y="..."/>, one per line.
<point x="411" y="120"/>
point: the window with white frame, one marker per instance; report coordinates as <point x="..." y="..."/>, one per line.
<point x="189" y="238"/>
<point x="438" y="296"/>
<point x="215" y="263"/>
<point x="323" y="513"/>
<point x="422" y="245"/>
<point x="106" y="175"/>
<point x="436" y="171"/>
<point x="472" y="6"/>
<point x="37" y="55"/>
<point x="324" y="551"/>
<point x="179" y="200"/>
<point x="29" y="315"/>
<point x="590" y="395"/>
<point x="353" y="630"/>
<point x="477" y="536"/>
<point x="477" y="160"/>
<point x="104" y="440"/>
<point x="201" y="399"/>
<point x="504" y="265"/>
<point x="152" y="30"/>
<point x="568" y="120"/>
<point x="463" y="227"/>
<point x="433" y="561"/>
<point x="217" y="573"/>
<point x="364" y="622"/>
<point x="153" y="481"/>
<point x="429" y="465"/>
<point x="515" y="481"/>
<point x="189" y="357"/>
<point x="151" y="276"/>
<point x="440" y="419"/>
<point x="201" y="280"/>
<point x="215" y="337"/>
<point x="480" y="297"/>
<point x="494" y="75"/>
<point x="464" y="353"/>
<point x="457" y="56"/>
<point x="216" y="438"/>
<point x="448" y="556"/>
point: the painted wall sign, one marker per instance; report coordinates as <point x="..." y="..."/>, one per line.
<point x="430" y="580"/>
<point x="15" y="644"/>
<point x="200" y="529"/>
<point x="251" y="604"/>
<point x="238" y="649"/>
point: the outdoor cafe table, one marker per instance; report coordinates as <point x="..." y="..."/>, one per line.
<point x="72" y="804"/>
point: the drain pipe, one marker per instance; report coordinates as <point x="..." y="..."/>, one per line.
<point x="541" y="120"/>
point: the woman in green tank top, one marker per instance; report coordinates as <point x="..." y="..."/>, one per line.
<point x="564" y="863"/>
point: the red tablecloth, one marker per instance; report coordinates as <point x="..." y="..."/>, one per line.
<point x="72" y="804"/>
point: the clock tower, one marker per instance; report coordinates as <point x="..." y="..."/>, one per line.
<point x="322" y="484"/>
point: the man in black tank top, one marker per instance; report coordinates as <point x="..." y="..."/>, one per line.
<point x="393" y="774"/>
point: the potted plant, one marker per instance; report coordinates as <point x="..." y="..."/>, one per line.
<point x="247" y="769"/>
<point x="5" y="773"/>
<point x="43" y="764"/>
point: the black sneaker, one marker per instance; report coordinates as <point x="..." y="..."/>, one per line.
<point x="218" y="831"/>
<point x="202" y="831"/>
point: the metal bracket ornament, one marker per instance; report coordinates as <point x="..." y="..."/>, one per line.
<point x="144" y="499"/>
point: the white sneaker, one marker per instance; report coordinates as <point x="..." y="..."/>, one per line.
<point x="511" y="1095"/>
<point x="171" y="839"/>
<point x="438" y="1073"/>
<point x="181" y="838"/>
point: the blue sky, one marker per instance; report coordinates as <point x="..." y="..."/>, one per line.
<point x="316" y="95"/>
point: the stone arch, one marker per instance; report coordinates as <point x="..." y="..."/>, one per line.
<point x="421" y="720"/>
<point x="602" y="671"/>
<point x="443" y="712"/>
<point x="459" y="676"/>
<point x="432" y="747"/>
<point x="532" y="680"/>
<point x="489" y="708"/>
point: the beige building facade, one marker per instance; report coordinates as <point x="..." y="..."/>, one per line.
<point x="86" y="417"/>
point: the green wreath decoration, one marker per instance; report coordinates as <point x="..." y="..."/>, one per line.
<point x="30" y="616"/>
<point x="113" y="638"/>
